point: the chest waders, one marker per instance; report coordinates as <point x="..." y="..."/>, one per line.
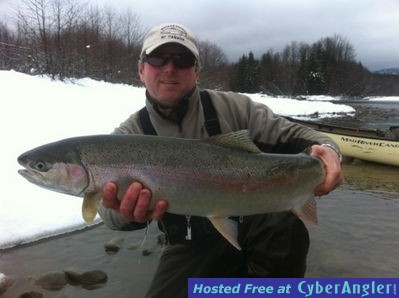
<point x="179" y="227"/>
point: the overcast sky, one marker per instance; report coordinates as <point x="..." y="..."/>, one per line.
<point x="240" y="26"/>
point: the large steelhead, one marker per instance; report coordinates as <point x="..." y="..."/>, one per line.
<point x="218" y="177"/>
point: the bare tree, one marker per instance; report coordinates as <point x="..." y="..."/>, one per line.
<point x="131" y="29"/>
<point x="64" y="17"/>
<point x="132" y="35"/>
<point x="215" y="67"/>
<point x="68" y="38"/>
<point x="43" y="25"/>
<point x="8" y="48"/>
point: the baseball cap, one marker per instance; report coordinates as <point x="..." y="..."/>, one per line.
<point x="170" y="33"/>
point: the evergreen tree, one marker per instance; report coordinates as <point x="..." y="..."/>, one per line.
<point x="246" y="77"/>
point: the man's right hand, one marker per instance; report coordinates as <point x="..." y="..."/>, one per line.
<point x="135" y="204"/>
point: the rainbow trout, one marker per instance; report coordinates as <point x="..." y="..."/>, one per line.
<point x="218" y="177"/>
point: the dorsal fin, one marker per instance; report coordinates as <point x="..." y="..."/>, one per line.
<point x="237" y="140"/>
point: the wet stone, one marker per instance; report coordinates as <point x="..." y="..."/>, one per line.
<point x="5" y="282"/>
<point x="90" y="279"/>
<point x="53" y="281"/>
<point x="146" y="252"/>
<point x="31" y="294"/>
<point x="94" y="277"/>
<point x="113" y="245"/>
<point x="72" y="277"/>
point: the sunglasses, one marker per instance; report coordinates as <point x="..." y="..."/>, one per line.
<point x="182" y="60"/>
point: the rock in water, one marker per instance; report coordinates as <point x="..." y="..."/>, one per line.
<point x="113" y="246"/>
<point x="5" y="282"/>
<point x="53" y="281"/>
<point x="88" y="280"/>
<point x="31" y="294"/>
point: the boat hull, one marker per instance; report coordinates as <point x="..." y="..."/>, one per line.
<point x="364" y="144"/>
<point x="370" y="149"/>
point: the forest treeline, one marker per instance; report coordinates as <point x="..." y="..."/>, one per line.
<point x="67" y="39"/>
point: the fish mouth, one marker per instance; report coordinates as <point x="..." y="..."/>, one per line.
<point x="30" y="175"/>
<point x="36" y="178"/>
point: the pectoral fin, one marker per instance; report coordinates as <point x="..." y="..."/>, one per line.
<point x="307" y="212"/>
<point x="228" y="228"/>
<point x="90" y="206"/>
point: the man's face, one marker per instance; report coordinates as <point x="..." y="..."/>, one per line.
<point x="169" y="83"/>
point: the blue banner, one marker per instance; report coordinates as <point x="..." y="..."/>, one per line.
<point x="293" y="287"/>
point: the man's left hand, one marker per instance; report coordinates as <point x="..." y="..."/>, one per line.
<point x="332" y="169"/>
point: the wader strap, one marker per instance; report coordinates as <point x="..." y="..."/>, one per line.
<point x="146" y="123"/>
<point x="212" y="124"/>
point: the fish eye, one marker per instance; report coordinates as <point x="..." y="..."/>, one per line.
<point x="41" y="166"/>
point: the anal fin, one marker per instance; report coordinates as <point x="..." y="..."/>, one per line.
<point x="307" y="212"/>
<point x="228" y="228"/>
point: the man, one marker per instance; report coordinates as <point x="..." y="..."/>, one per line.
<point x="273" y="245"/>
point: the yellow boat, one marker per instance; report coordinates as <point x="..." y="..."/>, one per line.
<point x="364" y="144"/>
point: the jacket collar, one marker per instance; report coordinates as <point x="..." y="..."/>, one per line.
<point x="176" y="114"/>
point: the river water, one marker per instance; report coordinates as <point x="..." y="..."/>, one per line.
<point x="369" y="114"/>
<point x="358" y="233"/>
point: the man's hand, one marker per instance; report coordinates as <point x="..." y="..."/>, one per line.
<point x="135" y="203"/>
<point x="332" y="169"/>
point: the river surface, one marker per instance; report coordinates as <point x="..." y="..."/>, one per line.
<point x="358" y="233"/>
<point x="369" y="114"/>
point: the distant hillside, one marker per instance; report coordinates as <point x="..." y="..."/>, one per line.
<point x="389" y="71"/>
